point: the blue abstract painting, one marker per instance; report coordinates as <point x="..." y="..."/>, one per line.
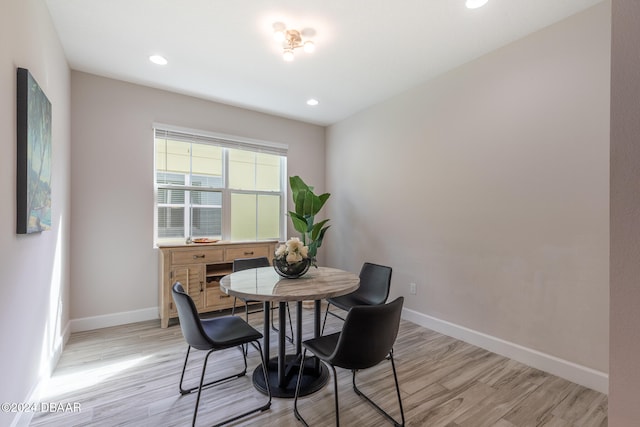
<point x="34" y="156"/>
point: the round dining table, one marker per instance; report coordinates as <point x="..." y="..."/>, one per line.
<point x="265" y="285"/>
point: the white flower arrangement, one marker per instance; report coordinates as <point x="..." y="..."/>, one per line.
<point x="293" y="251"/>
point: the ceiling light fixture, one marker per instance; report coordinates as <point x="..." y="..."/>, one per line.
<point x="291" y="40"/>
<point x="474" y="4"/>
<point x="312" y="102"/>
<point x="157" y="59"/>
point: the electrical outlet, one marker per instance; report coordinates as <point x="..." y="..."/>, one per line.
<point x="413" y="289"/>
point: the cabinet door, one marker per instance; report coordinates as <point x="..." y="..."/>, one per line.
<point x="192" y="279"/>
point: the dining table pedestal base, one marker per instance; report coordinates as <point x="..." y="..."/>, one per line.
<point x="314" y="376"/>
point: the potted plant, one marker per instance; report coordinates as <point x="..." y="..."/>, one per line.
<point x="307" y="205"/>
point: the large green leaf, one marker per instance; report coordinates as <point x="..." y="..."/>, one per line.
<point x="322" y="200"/>
<point x="299" y="222"/>
<point x="321" y="236"/>
<point x="298" y="201"/>
<point x="315" y="232"/>
<point x="309" y="202"/>
<point x="297" y="184"/>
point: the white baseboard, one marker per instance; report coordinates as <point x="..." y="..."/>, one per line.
<point x="114" y="319"/>
<point x="23" y="418"/>
<point x="573" y="372"/>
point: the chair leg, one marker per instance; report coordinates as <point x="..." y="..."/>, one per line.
<point x="204" y="368"/>
<point x="395" y="377"/>
<point x="290" y="322"/>
<point x="335" y="395"/>
<point x="261" y="408"/>
<point x="245" y="347"/>
<point x="327" y="312"/>
<point x="295" y="398"/>
<point x="233" y="309"/>
<point x="184" y="391"/>
<point x="289" y="338"/>
<point x="184" y="367"/>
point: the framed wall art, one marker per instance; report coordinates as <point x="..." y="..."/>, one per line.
<point x="34" y="156"/>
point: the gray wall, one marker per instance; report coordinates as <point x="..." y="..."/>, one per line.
<point x="115" y="267"/>
<point x="625" y="215"/>
<point x="489" y="188"/>
<point x="34" y="293"/>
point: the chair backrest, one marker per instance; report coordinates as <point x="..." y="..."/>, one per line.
<point x="368" y="335"/>
<point x="375" y="281"/>
<point x="189" y="320"/>
<point x="247" y="263"/>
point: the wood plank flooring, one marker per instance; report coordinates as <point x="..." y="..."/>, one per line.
<point x="128" y="376"/>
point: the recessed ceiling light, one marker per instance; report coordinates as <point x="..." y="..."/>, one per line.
<point x="474" y="4"/>
<point x="157" y="59"/>
<point x="312" y="102"/>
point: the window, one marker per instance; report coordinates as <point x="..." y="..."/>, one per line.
<point x="218" y="187"/>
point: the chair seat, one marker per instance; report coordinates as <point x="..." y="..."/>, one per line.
<point x="345" y="302"/>
<point x="229" y="331"/>
<point x="322" y="346"/>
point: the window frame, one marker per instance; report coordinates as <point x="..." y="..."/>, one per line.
<point x="226" y="142"/>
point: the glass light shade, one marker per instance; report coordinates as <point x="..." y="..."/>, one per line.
<point x="309" y="46"/>
<point x="474" y="4"/>
<point x="312" y="102"/>
<point x="278" y="35"/>
<point x="288" y="55"/>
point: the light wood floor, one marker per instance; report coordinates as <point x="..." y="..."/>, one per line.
<point x="128" y="376"/>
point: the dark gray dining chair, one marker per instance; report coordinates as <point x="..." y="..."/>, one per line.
<point x="366" y="339"/>
<point x="241" y="264"/>
<point x="213" y="335"/>
<point x="375" y="282"/>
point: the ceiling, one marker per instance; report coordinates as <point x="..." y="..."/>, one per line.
<point x="224" y="51"/>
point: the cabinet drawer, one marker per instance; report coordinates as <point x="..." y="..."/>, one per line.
<point x="247" y="252"/>
<point x="217" y="300"/>
<point x="192" y="256"/>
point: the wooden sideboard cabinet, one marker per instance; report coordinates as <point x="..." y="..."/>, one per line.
<point x="199" y="267"/>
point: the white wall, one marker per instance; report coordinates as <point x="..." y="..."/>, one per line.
<point x="625" y="216"/>
<point x="488" y="187"/>
<point x="34" y="293"/>
<point x="115" y="267"/>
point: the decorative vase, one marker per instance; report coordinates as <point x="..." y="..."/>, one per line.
<point x="291" y="271"/>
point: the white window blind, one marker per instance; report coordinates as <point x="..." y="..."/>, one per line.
<point x="217" y="186"/>
<point x="227" y="141"/>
